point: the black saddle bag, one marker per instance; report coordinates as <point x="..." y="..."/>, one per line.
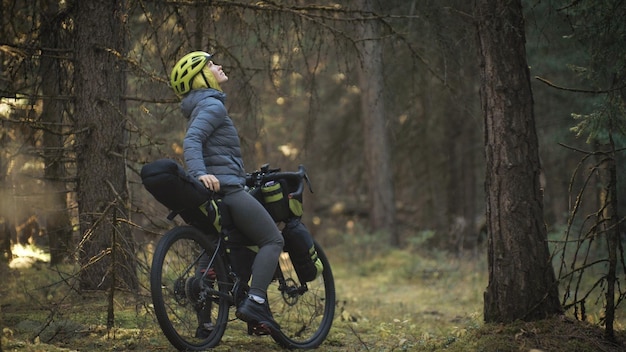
<point x="172" y="186"/>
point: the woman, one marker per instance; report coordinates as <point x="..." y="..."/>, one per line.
<point x="212" y="154"/>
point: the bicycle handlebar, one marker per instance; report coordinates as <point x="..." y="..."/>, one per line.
<point x="265" y="174"/>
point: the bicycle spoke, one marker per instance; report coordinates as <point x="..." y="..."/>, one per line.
<point x="304" y="312"/>
<point x="184" y="284"/>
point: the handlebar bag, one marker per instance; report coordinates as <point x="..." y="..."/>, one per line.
<point x="275" y="200"/>
<point x="181" y="193"/>
<point x="299" y="244"/>
<point x="278" y="200"/>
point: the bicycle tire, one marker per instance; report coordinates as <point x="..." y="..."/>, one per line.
<point x="305" y="317"/>
<point x="177" y="302"/>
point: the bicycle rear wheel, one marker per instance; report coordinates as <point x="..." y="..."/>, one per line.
<point x="305" y="312"/>
<point x="189" y="289"/>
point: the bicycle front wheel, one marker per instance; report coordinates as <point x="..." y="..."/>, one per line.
<point x="305" y="312"/>
<point x="190" y="289"/>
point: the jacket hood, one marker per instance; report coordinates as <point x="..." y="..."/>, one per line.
<point x="190" y="101"/>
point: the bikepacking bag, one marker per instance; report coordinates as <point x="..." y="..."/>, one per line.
<point x="281" y="204"/>
<point x="299" y="244"/>
<point x="181" y="193"/>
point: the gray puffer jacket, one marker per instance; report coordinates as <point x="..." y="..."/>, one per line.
<point x="211" y="144"/>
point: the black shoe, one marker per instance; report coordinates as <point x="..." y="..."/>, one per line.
<point x="257" y="314"/>
<point x="204" y="330"/>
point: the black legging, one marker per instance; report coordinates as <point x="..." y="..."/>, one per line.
<point x="255" y="223"/>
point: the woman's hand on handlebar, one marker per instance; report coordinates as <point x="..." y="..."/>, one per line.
<point x="211" y="182"/>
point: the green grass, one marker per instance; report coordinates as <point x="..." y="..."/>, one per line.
<point x="387" y="300"/>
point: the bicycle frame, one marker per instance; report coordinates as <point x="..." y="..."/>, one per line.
<point x="235" y="281"/>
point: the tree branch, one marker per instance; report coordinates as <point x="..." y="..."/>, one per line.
<point x="575" y="90"/>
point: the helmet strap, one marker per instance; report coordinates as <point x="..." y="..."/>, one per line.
<point x="205" y="79"/>
<point x="210" y="81"/>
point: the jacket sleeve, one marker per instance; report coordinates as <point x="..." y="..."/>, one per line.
<point x="207" y="116"/>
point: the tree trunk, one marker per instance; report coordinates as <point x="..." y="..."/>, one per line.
<point x="461" y="181"/>
<point x="376" y="146"/>
<point x="58" y="225"/>
<point x="522" y="283"/>
<point x="6" y="216"/>
<point x="101" y="145"/>
<point x="610" y="227"/>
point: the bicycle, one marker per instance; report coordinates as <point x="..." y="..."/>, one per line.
<point x="183" y="293"/>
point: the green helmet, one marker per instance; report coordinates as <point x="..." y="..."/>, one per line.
<point x="186" y="69"/>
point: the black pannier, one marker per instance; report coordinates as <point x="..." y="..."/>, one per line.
<point x="181" y="193"/>
<point x="299" y="244"/>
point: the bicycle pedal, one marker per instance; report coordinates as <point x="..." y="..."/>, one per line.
<point x="259" y="329"/>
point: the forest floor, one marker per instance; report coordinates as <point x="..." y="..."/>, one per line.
<point x="391" y="301"/>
